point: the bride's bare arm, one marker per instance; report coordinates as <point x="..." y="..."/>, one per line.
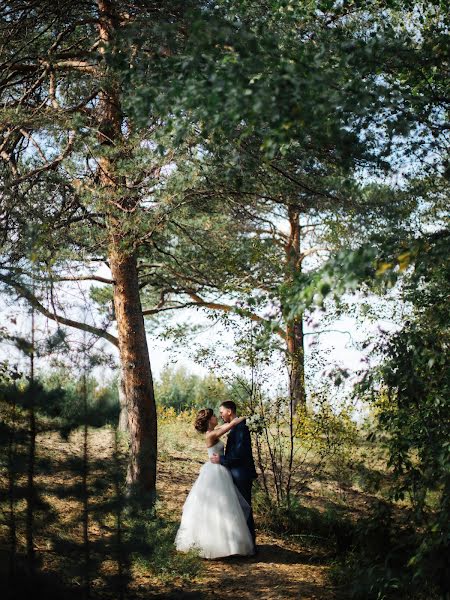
<point x="215" y="434"/>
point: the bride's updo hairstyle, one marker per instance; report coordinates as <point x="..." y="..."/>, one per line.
<point x="202" y="419"/>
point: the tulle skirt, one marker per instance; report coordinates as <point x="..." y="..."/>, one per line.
<point x="214" y="516"/>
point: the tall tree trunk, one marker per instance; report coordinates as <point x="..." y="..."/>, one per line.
<point x="137" y="376"/>
<point x="294" y="336"/>
<point x="12" y="451"/>
<point x="134" y="356"/>
<point x="85" y="491"/>
<point x="294" y="328"/>
<point x="31" y="558"/>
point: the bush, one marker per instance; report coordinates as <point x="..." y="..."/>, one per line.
<point x="376" y="566"/>
<point x="327" y="528"/>
<point x="182" y="391"/>
<point x="410" y="392"/>
<point x="63" y="397"/>
<point x="170" y="415"/>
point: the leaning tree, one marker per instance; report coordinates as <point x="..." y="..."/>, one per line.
<point x="80" y="179"/>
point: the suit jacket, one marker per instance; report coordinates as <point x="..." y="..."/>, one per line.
<point x="238" y="455"/>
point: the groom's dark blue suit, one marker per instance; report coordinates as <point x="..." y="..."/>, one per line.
<point x="238" y="458"/>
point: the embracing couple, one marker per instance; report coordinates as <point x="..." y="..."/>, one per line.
<point x="217" y="517"/>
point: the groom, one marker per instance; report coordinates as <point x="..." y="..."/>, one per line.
<point x="238" y="458"/>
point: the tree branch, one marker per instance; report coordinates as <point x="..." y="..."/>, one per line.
<point x="198" y="301"/>
<point x="57" y="278"/>
<point x="158" y="308"/>
<point x="65" y="65"/>
<point x="31" y="298"/>
<point x="301" y="184"/>
<point x="310" y="251"/>
<point x="329" y="331"/>
<point x="51" y="165"/>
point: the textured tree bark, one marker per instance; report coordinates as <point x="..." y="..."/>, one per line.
<point x="136" y="372"/>
<point x="294" y="328"/>
<point x="133" y="350"/>
<point x="294" y="335"/>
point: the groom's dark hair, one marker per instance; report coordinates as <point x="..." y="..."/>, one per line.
<point x="229" y="404"/>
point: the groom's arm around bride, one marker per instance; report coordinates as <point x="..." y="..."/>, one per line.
<point x="238" y="455"/>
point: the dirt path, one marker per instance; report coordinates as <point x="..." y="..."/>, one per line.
<point x="279" y="571"/>
<point x="282" y="569"/>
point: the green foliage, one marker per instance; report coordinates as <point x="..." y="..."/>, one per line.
<point x="348" y="271"/>
<point x="66" y="400"/>
<point x="182" y="390"/>
<point x="328" y="527"/>
<point x="293" y="446"/>
<point x="375" y="564"/>
<point x="411" y="392"/>
<point x="59" y="396"/>
<point x="238" y="66"/>
<point x="130" y="541"/>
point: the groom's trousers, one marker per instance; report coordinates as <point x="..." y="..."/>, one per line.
<point x="245" y="487"/>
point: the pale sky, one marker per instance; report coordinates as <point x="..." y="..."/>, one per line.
<point x="334" y="347"/>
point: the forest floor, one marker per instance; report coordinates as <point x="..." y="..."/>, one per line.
<point x="285" y="567"/>
<point x="281" y="569"/>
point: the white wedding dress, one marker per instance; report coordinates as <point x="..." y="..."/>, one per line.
<point x="214" y="514"/>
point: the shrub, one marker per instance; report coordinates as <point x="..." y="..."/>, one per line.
<point x="327" y="528"/>
<point x="63" y="397"/>
<point x="376" y="565"/>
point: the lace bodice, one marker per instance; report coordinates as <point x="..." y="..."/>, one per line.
<point x="217" y="448"/>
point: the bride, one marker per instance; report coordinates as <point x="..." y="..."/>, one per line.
<point x="214" y="519"/>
